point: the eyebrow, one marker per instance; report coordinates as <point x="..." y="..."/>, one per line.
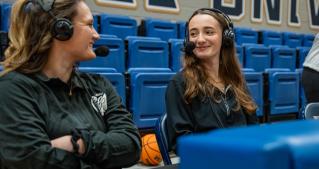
<point x="206" y="27"/>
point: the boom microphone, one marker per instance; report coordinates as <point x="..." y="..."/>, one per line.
<point x="189" y="47"/>
<point x="102" y="51"/>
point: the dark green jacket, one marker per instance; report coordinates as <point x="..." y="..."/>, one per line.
<point x="201" y="115"/>
<point x="35" y="109"/>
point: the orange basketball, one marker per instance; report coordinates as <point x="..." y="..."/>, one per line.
<point x="151" y="154"/>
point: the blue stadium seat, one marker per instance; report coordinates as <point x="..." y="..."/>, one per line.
<point x="240" y="54"/>
<point x="181" y="29"/>
<point x="160" y="28"/>
<point x="147" y="96"/>
<point x="96" y="22"/>
<point x="176" y="54"/>
<point x="1" y="68"/>
<point x="302" y="54"/>
<point x="121" y="26"/>
<point x="283" y="57"/>
<point x="162" y="140"/>
<point x="308" y="40"/>
<point x="292" y="39"/>
<point x="147" y="52"/>
<point x="257" y="57"/>
<point x="255" y="86"/>
<point x="118" y="81"/>
<point x="283" y="91"/>
<point x="115" y="58"/>
<point x="284" y="145"/>
<point x="302" y="96"/>
<point x="5" y="16"/>
<point x="245" y="35"/>
<point x="269" y="37"/>
<point x="98" y="69"/>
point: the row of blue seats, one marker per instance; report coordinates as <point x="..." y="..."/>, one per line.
<point x="123" y="26"/>
<point x="156" y="53"/>
<point x="145" y="98"/>
<point x="146" y="95"/>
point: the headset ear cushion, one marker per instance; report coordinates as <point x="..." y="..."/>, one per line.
<point x="228" y="37"/>
<point x="62" y="29"/>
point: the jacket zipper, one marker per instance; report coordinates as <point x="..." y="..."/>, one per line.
<point x="225" y="101"/>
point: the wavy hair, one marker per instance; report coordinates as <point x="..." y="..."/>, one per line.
<point x="30" y="34"/>
<point x="198" y="79"/>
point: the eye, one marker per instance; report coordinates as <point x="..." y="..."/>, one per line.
<point x="209" y="32"/>
<point x="91" y="25"/>
<point x="193" y="34"/>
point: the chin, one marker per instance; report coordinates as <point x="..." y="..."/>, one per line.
<point x="88" y="57"/>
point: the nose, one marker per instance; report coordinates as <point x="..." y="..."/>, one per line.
<point x="96" y="36"/>
<point x="200" y="38"/>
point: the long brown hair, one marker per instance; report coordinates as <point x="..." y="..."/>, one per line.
<point x="198" y="79"/>
<point x="30" y="34"/>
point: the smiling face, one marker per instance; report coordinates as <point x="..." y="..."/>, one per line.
<point x="206" y="32"/>
<point x="84" y="35"/>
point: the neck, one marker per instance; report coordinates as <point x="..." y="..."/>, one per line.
<point x="59" y="65"/>
<point x="212" y="67"/>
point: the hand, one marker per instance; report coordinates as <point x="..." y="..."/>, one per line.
<point x="65" y="143"/>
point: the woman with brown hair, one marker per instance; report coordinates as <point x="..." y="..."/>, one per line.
<point x="210" y="91"/>
<point x="51" y="115"/>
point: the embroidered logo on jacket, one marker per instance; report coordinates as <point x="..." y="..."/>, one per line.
<point x="99" y="103"/>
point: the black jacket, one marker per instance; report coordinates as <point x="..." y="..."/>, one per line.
<point x="35" y="109"/>
<point x="200" y="115"/>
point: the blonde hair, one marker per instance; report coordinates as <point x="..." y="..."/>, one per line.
<point x="197" y="79"/>
<point x="30" y="34"/>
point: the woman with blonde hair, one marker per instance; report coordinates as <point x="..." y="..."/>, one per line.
<point x="51" y="115"/>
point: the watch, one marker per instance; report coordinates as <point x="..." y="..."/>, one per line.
<point x="76" y="135"/>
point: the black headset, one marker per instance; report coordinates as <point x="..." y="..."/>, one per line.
<point x="228" y="33"/>
<point x="62" y="28"/>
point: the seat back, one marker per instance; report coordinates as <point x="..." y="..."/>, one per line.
<point x="147" y="96"/>
<point x="257" y="57"/>
<point x="312" y="111"/>
<point x="161" y="137"/>
<point x="121" y="26"/>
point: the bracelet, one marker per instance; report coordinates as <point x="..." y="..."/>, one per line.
<point x="76" y="135"/>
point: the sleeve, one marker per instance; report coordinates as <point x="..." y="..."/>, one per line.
<point x="23" y="138"/>
<point x="251" y="118"/>
<point x="178" y="114"/>
<point x="120" y="145"/>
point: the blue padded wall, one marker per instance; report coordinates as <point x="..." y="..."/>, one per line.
<point x="286" y="145"/>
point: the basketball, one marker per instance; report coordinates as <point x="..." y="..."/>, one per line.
<point x="151" y="154"/>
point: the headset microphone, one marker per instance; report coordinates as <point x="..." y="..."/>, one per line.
<point x="189" y="47"/>
<point x="102" y="51"/>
